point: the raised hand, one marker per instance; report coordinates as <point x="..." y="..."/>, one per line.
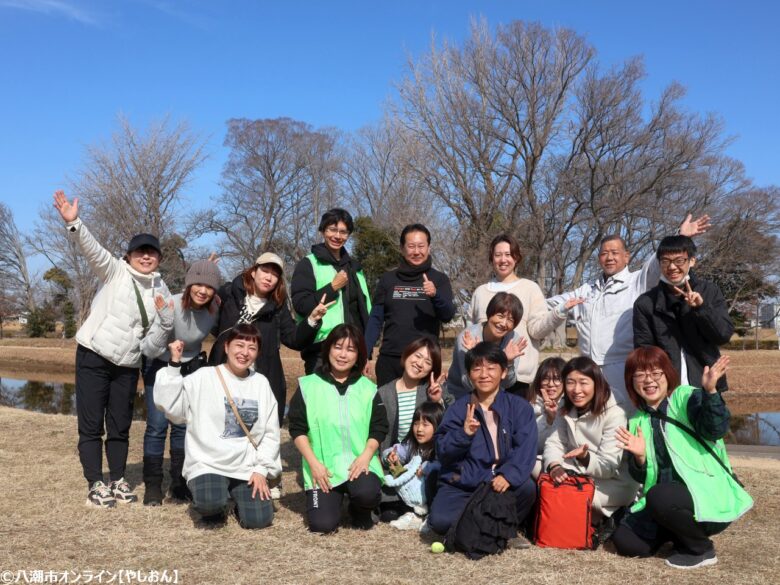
<point x="580" y="453"/>
<point x="713" y="373"/>
<point x="435" y="390"/>
<point x="694" y="227"/>
<point x="691" y="297"/>
<point x="428" y="287"/>
<point x="259" y="486"/>
<point x="634" y="444"/>
<point x="320" y="310"/>
<point x="213" y="258"/>
<point x="468" y="340"/>
<point x="471" y="424"/>
<point x="68" y="211"/>
<point x="514" y="349"/>
<point x="161" y="305"/>
<point x="339" y="281"/>
<point x="177" y="349"/>
<point x="392" y="458"/>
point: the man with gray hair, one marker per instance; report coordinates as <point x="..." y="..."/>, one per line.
<point x="604" y="318"/>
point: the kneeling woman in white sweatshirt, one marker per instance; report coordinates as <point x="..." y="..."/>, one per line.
<point x="232" y="441"/>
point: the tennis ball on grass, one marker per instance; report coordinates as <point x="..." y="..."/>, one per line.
<point x="437" y="547"/>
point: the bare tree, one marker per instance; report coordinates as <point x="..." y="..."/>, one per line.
<point x="521" y="131"/>
<point x="17" y="283"/>
<point x="134" y="184"/>
<point x="280" y="176"/>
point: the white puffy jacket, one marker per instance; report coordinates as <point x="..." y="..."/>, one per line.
<point x="113" y="328"/>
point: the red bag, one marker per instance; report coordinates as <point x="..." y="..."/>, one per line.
<point x="563" y="513"/>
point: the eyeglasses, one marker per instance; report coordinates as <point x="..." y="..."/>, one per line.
<point x="644" y="376"/>
<point x="679" y="262"/>
<point x="551" y="381"/>
<point x="335" y="231"/>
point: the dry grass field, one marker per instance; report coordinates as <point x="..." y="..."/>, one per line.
<point x="46" y="526"/>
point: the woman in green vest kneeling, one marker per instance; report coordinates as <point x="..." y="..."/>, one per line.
<point x="675" y="438"/>
<point x="337" y="422"/>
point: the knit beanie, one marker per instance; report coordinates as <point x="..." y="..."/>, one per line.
<point x="204" y="272"/>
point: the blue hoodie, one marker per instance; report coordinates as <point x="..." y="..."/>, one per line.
<point x="468" y="461"/>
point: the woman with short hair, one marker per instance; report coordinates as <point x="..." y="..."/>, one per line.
<point x="232" y="442"/>
<point x="676" y="451"/>
<point x="329" y="272"/>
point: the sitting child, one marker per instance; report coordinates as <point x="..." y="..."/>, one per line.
<point x="411" y="464"/>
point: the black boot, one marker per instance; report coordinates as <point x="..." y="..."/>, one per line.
<point x="178" y="489"/>
<point x="153" y="478"/>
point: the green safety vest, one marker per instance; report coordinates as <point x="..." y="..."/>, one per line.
<point x="716" y="496"/>
<point x="323" y="275"/>
<point x="338" y="425"/>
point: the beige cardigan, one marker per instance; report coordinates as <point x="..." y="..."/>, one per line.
<point x="537" y="322"/>
<point x="607" y="465"/>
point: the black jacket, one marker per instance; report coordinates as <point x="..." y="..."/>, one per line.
<point x="665" y="320"/>
<point x="276" y="326"/>
<point x="305" y="296"/>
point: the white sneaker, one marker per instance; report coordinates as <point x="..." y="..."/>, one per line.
<point x="425" y="528"/>
<point x="409" y="521"/>
<point x="100" y="496"/>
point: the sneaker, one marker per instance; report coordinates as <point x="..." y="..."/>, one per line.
<point x="122" y="492"/>
<point x="276" y="492"/>
<point x="519" y="542"/>
<point x="426" y="528"/>
<point x="688" y="561"/>
<point x="100" y="496"/>
<point x="409" y="521"/>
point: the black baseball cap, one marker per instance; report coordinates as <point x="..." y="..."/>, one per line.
<point x="144" y="240"/>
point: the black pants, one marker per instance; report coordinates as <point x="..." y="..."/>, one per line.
<point x="104" y="392"/>
<point x="387" y="368"/>
<point x="670" y="506"/>
<point x="324" y="510"/>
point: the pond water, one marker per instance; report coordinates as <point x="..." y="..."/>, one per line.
<point x="760" y="428"/>
<point x="49" y="397"/>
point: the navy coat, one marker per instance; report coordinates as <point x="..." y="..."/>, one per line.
<point x="468" y="461"/>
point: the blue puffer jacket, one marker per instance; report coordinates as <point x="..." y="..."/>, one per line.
<point x="468" y="461"/>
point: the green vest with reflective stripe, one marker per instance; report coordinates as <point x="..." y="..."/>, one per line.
<point x="338" y="425"/>
<point x="324" y="274"/>
<point x="716" y="496"/>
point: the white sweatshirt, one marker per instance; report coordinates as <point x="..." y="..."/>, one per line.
<point x="215" y="442"/>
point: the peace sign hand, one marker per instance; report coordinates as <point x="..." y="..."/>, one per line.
<point x="691" y="297"/>
<point x="428" y="287"/>
<point x="434" y="389"/>
<point x="471" y="424"/>
<point x="320" y="310"/>
<point x="68" y="211"/>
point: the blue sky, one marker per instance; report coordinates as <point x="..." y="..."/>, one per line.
<point x="68" y="67"/>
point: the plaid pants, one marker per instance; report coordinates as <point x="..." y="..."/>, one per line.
<point x="210" y="496"/>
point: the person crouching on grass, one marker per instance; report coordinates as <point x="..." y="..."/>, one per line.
<point x="232" y="441"/>
<point x="131" y="297"/>
<point x="688" y="492"/>
<point x="487" y="436"/>
<point x="337" y="422"/>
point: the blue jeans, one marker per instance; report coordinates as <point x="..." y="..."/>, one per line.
<point x="156" y="423"/>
